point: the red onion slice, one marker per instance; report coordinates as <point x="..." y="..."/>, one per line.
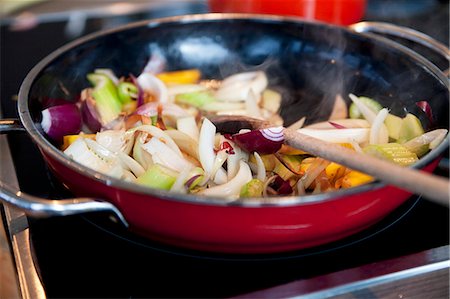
<point x="61" y="120"/>
<point x="336" y="125"/>
<point x="281" y="186"/>
<point x="90" y="115"/>
<point x="265" y="141"/>
<point x="426" y="108"/>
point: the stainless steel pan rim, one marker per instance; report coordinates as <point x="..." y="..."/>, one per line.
<point x="56" y="154"/>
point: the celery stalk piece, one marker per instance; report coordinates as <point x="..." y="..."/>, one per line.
<point x="127" y="91"/>
<point x="159" y="177"/>
<point x="197" y="99"/>
<point x="411" y="127"/>
<point x="254" y="188"/>
<point x="106" y="98"/>
<point x="393" y="152"/>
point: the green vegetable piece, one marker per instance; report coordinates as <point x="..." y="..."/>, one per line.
<point x="196" y="172"/>
<point x="411" y="127"/>
<point x="354" y="112"/>
<point x="393" y="152"/>
<point x="159" y="177"/>
<point x="254" y="188"/>
<point x="106" y="98"/>
<point x="393" y="124"/>
<point x="195" y="99"/>
<point x="127" y="91"/>
<point x="292" y="162"/>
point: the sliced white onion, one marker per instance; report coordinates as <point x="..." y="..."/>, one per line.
<point x="152" y="84"/>
<point x="251" y="105"/>
<point x="236" y="87"/>
<point x="101" y="151"/>
<point x="128" y="176"/>
<point x="348" y="123"/>
<point x="368" y="113"/>
<point x="139" y="154"/>
<point x="184" y="142"/>
<point x="234" y="160"/>
<point x="232" y="188"/>
<point x="179" y="186"/>
<point x="220" y="177"/>
<point x="261" y="169"/>
<point x="378" y="132"/>
<point x="165" y="155"/>
<point x="158" y="133"/>
<point x="114" y="140"/>
<point x="80" y="152"/>
<point x="298" y="124"/>
<point x="131" y="164"/>
<point x="167" y="109"/>
<point x="358" y="135"/>
<point x="206" y="145"/>
<point x="188" y="125"/>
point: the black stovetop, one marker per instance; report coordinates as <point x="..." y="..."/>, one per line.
<point x="89" y="256"/>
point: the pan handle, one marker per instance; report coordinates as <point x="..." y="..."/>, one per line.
<point x="40" y="207"/>
<point x="406" y="34"/>
<point x="10" y="125"/>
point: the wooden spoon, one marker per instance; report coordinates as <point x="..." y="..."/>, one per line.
<point x="432" y="187"/>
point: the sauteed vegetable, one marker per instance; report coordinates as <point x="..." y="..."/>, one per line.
<point x="154" y="130"/>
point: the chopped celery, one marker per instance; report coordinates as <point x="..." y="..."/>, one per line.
<point x="393" y="124"/>
<point x="370" y="103"/>
<point x="393" y="152"/>
<point x="159" y="177"/>
<point x="106" y="97"/>
<point x="411" y="127"/>
<point x="127" y="91"/>
<point x="196" y="99"/>
<point x="254" y="188"/>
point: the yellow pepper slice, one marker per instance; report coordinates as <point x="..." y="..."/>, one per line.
<point x="69" y="139"/>
<point x="180" y="77"/>
<point x="355" y="178"/>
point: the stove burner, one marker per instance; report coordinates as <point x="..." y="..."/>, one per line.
<point x="106" y="225"/>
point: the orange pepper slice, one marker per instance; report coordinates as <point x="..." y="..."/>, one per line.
<point x="190" y="76"/>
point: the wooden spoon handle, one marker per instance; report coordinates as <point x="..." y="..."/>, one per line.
<point x="433" y="187"/>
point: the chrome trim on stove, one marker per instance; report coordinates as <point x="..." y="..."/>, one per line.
<point x="29" y="283"/>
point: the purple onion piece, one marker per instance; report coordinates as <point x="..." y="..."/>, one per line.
<point x="281" y="186"/>
<point x="58" y="121"/>
<point x="140" y="95"/>
<point x="90" y="115"/>
<point x="265" y="141"/>
<point x="336" y="125"/>
<point x="426" y="108"/>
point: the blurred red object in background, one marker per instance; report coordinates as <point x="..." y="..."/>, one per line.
<point x="341" y="12"/>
